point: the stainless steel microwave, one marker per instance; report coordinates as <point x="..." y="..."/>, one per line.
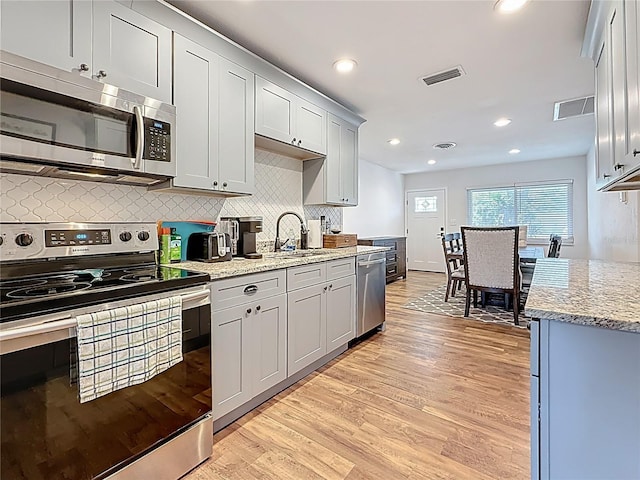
<point x="57" y="123"/>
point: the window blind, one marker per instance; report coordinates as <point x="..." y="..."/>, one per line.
<point x="546" y="208"/>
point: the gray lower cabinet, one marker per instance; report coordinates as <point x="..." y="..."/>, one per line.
<point x="214" y="131"/>
<point x="585" y="421"/>
<point x="341" y="311"/>
<point x="307" y="326"/>
<point x="63" y="29"/>
<point x="249" y="351"/>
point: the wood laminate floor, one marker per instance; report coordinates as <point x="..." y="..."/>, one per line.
<point x="430" y="398"/>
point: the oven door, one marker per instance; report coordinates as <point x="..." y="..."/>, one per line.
<point x="47" y="433"/>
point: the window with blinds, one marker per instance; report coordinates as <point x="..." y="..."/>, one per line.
<point x="546" y="208"/>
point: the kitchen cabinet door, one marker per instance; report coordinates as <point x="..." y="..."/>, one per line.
<point x="231" y="345"/>
<point x="195" y="95"/>
<point x="311" y="127"/>
<point x="306" y="328"/>
<point x="269" y="354"/>
<point x="333" y="182"/>
<point x="349" y="163"/>
<point x="604" y="154"/>
<point x="131" y="51"/>
<point x="341" y="311"/>
<point x="632" y="20"/>
<point x="615" y="37"/>
<point x="236" y="128"/>
<point x="275" y="111"/>
<point x="55" y="32"/>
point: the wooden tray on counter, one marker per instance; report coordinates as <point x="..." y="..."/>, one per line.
<point x="339" y="240"/>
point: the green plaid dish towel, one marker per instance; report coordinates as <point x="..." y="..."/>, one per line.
<point x="127" y="346"/>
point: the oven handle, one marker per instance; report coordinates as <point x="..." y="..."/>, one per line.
<point x="64" y="322"/>
<point x="139" y="137"/>
<point x="51" y="326"/>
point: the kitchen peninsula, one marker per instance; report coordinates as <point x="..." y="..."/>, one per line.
<point x="585" y="369"/>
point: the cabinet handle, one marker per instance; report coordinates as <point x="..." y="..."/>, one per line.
<point x="618" y="166"/>
<point x="636" y="152"/>
<point x="251" y="290"/>
<point x="606" y="176"/>
<point x="330" y="286"/>
<point x="215" y="183"/>
<point x="299" y="142"/>
<point x="248" y="311"/>
<point x="101" y="74"/>
<point x="324" y="289"/>
<point x="224" y="185"/>
<point x="347" y="200"/>
<point x="84" y="67"/>
<point x="293" y="141"/>
<point x="258" y="308"/>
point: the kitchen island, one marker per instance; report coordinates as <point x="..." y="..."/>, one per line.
<point x="585" y="370"/>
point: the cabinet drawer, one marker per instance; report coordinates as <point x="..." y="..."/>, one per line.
<point x="248" y="288"/>
<point x="393" y="244"/>
<point x="306" y="275"/>
<point x="392" y="257"/>
<point x="341" y="268"/>
<point x="392" y="268"/>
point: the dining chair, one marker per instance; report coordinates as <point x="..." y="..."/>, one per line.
<point x="491" y="264"/>
<point x="455" y="274"/>
<point x="555" y="242"/>
<point x="522" y="235"/>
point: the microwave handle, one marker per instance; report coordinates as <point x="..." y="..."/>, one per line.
<point x="139" y="137"/>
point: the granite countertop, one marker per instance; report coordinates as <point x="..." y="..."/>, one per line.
<point x="274" y="261"/>
<point x="586" y="292"/>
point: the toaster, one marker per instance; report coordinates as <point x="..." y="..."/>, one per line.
<point x="209" y="247"/>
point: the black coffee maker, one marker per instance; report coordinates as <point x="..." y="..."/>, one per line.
<point x="249" y="227"/>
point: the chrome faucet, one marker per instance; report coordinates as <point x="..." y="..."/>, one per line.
<point x="304" y="233"/>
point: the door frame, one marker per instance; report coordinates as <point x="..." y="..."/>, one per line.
<point x="406" y="212"/>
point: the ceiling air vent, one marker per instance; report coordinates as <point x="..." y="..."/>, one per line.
<point x="443" y="76"/>
<point x="573" y="108"/>
<point x="444" y="145"/>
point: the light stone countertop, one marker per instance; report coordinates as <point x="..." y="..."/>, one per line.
<point x="274" y="261"/>
<point x="586" y="292"/>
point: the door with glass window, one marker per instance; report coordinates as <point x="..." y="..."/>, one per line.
<point x="425" y="222"/>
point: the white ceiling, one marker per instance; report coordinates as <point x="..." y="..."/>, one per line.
<point x="516" y="66"/>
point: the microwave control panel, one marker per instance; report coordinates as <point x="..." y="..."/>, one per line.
<point x="157" y="140"/>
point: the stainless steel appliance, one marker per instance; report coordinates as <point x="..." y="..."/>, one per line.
<point x="371" y="292"/>
<point x="249" y="229"/>
<point x="50" y="274"/>
<point x="57" y="123"/>
<point x="209" y="247"/>
<point x="231" y="226"/>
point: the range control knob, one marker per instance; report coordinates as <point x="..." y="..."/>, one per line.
<point x="144" y="236"/>
<point x="24" y="239"/>
<point x="125" y="236"/>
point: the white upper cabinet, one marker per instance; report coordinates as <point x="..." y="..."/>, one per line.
<point x="613" y="39"/>
<point x="101" y="39"/>
<point x="55" y="32"/>
<point x="215" y="121"/>
<point x="334" y="180"/>
<point x="283" y="116"/>
<point x="131" y="51"/>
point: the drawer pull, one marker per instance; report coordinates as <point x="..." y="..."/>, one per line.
<point x="251" y="290"/>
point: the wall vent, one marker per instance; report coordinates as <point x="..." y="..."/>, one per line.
<point x="444" y="145"/>
<point x="439" y="77"/>
<point x="573" y="108"/>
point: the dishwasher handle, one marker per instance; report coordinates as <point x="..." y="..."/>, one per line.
<point x="371" y="262"/>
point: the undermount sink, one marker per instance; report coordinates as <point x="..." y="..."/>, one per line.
<point x="296" y="254"/>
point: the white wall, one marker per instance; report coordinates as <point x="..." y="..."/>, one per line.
<point x="614" y="229"/>
<point x="457" y="182"/>
<point x="380" y="209"/>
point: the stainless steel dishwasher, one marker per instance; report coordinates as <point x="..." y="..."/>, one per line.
<point x="371" y="292"/>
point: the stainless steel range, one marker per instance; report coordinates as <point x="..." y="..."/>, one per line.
<point x="52" y="274"/>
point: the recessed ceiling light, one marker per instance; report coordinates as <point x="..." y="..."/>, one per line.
<point x="345" y="65"/>
<point x="513" y="151"/>
<point x="509" y="6"/>
<point x="394" y="141"/>
<point x="431" y="162"/>
<point x="502" y="122"/>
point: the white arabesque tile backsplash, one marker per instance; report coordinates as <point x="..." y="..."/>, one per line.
<point x="278" y="189"/>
